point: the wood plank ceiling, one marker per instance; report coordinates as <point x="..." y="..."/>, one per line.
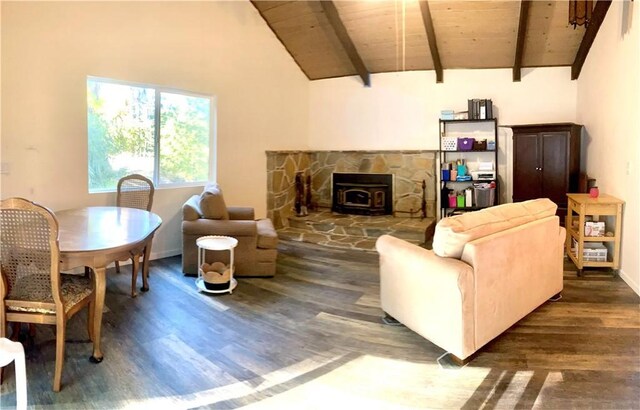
<point x="343" y="38"/>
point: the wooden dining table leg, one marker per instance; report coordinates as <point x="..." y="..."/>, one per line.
<point x="100" y="281"/>
<point x="135" y="267"/>
<point x="145" y="265"/>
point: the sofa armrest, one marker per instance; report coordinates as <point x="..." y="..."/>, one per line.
<point x="431" y="295"/>
<point x="191" y="209"/>
<point x="220" y="227"/>
<point x="241" y="213"/>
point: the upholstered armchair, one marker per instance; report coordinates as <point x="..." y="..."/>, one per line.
<point x="207" y="214"/>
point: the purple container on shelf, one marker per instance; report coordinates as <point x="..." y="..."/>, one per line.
<point x="465" y="144"/>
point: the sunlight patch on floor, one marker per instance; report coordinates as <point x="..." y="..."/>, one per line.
<point x="337" y="379"/>
<point x="222" y="393"/>
<point x="376" y="383"/>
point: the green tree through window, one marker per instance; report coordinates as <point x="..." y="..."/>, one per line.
<point x="127" y="135"/>
<point x="184" y="138"/>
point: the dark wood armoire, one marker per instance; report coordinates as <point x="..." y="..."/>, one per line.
<point x="546" y="162"/>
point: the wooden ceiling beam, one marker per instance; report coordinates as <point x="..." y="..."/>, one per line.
<point x="522" y="31"/>
<point x="341" y="32"/>
<point x="597" y="17"/>
<point x="260" y="10"/>
<point x="431" y="37"/>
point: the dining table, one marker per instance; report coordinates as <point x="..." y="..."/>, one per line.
<point x="96" y="236"/>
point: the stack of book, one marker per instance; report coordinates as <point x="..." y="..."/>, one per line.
<point x="480" y="109"/>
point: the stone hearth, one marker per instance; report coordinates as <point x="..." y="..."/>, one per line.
<point x="356" y="231"/>
<point x="409" y="169"/>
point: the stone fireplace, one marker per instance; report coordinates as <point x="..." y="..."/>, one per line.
<point x="366" y="194"/>
<point x="408" y="169"/>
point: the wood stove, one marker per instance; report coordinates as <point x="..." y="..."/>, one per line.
<point x="365" y="194"/>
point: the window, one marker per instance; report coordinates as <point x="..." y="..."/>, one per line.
<point x="165" y="135"/>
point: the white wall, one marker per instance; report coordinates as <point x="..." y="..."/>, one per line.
<point x="218" y="48"/>
<point x="609" y="107"/>
<point x="401" y="110"/>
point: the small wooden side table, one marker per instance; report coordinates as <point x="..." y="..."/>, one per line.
<point x="583" y="205"/>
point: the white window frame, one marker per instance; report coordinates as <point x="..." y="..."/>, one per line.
<point x="213" y="155"/>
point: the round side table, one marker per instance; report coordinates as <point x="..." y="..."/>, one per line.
<point x="215" y="243"/>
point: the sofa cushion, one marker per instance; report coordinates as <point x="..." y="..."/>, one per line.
<point x="267" y="236"/>
<point x="453" y="233"/>
<point x="212" y="204"/>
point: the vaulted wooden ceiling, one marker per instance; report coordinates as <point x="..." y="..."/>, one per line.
<point x="343" y="38"/>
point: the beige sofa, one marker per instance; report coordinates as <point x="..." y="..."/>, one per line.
<point x="207" y="214"/>
<point x="487" y="270"/>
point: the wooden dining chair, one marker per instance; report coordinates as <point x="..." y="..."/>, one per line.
<point x="32" y="290"/>
<point x="135" y="191"/>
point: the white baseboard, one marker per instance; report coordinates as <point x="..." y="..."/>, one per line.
<point x="156" y="255"/>
<point x="630" y="281"/>
<point x="165" y="254"/>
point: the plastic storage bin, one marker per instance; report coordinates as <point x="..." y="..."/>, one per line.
<point x="484" y="197"/>
<point x="480" y="145"/>
<point x="594" y="252"/>
<point x="446" y="115"/>
<point x="465" y="144"/>
<point x="449" y="143"/>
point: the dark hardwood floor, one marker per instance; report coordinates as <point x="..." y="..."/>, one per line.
<point x="311" y="338"/>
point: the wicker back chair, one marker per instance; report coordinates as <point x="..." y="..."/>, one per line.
<point x="135" y="191"/>
<point x="32" y="289"/>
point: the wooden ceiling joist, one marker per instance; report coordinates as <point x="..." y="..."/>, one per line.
<point x="597" y="17"/>
<point x="330" y="39"/>
<point x="522" y="30"/>
<point x="431" y="37"/>
<point x="341" y="32"/>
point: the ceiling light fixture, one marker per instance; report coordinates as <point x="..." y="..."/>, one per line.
<point x="404" y="34"/>
<point x="580" y="12"/>
<point x="401" y="35"/>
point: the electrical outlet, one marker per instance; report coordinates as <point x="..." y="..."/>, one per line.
<point x="628" y="167"/>
<point x="4" y="168"/>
